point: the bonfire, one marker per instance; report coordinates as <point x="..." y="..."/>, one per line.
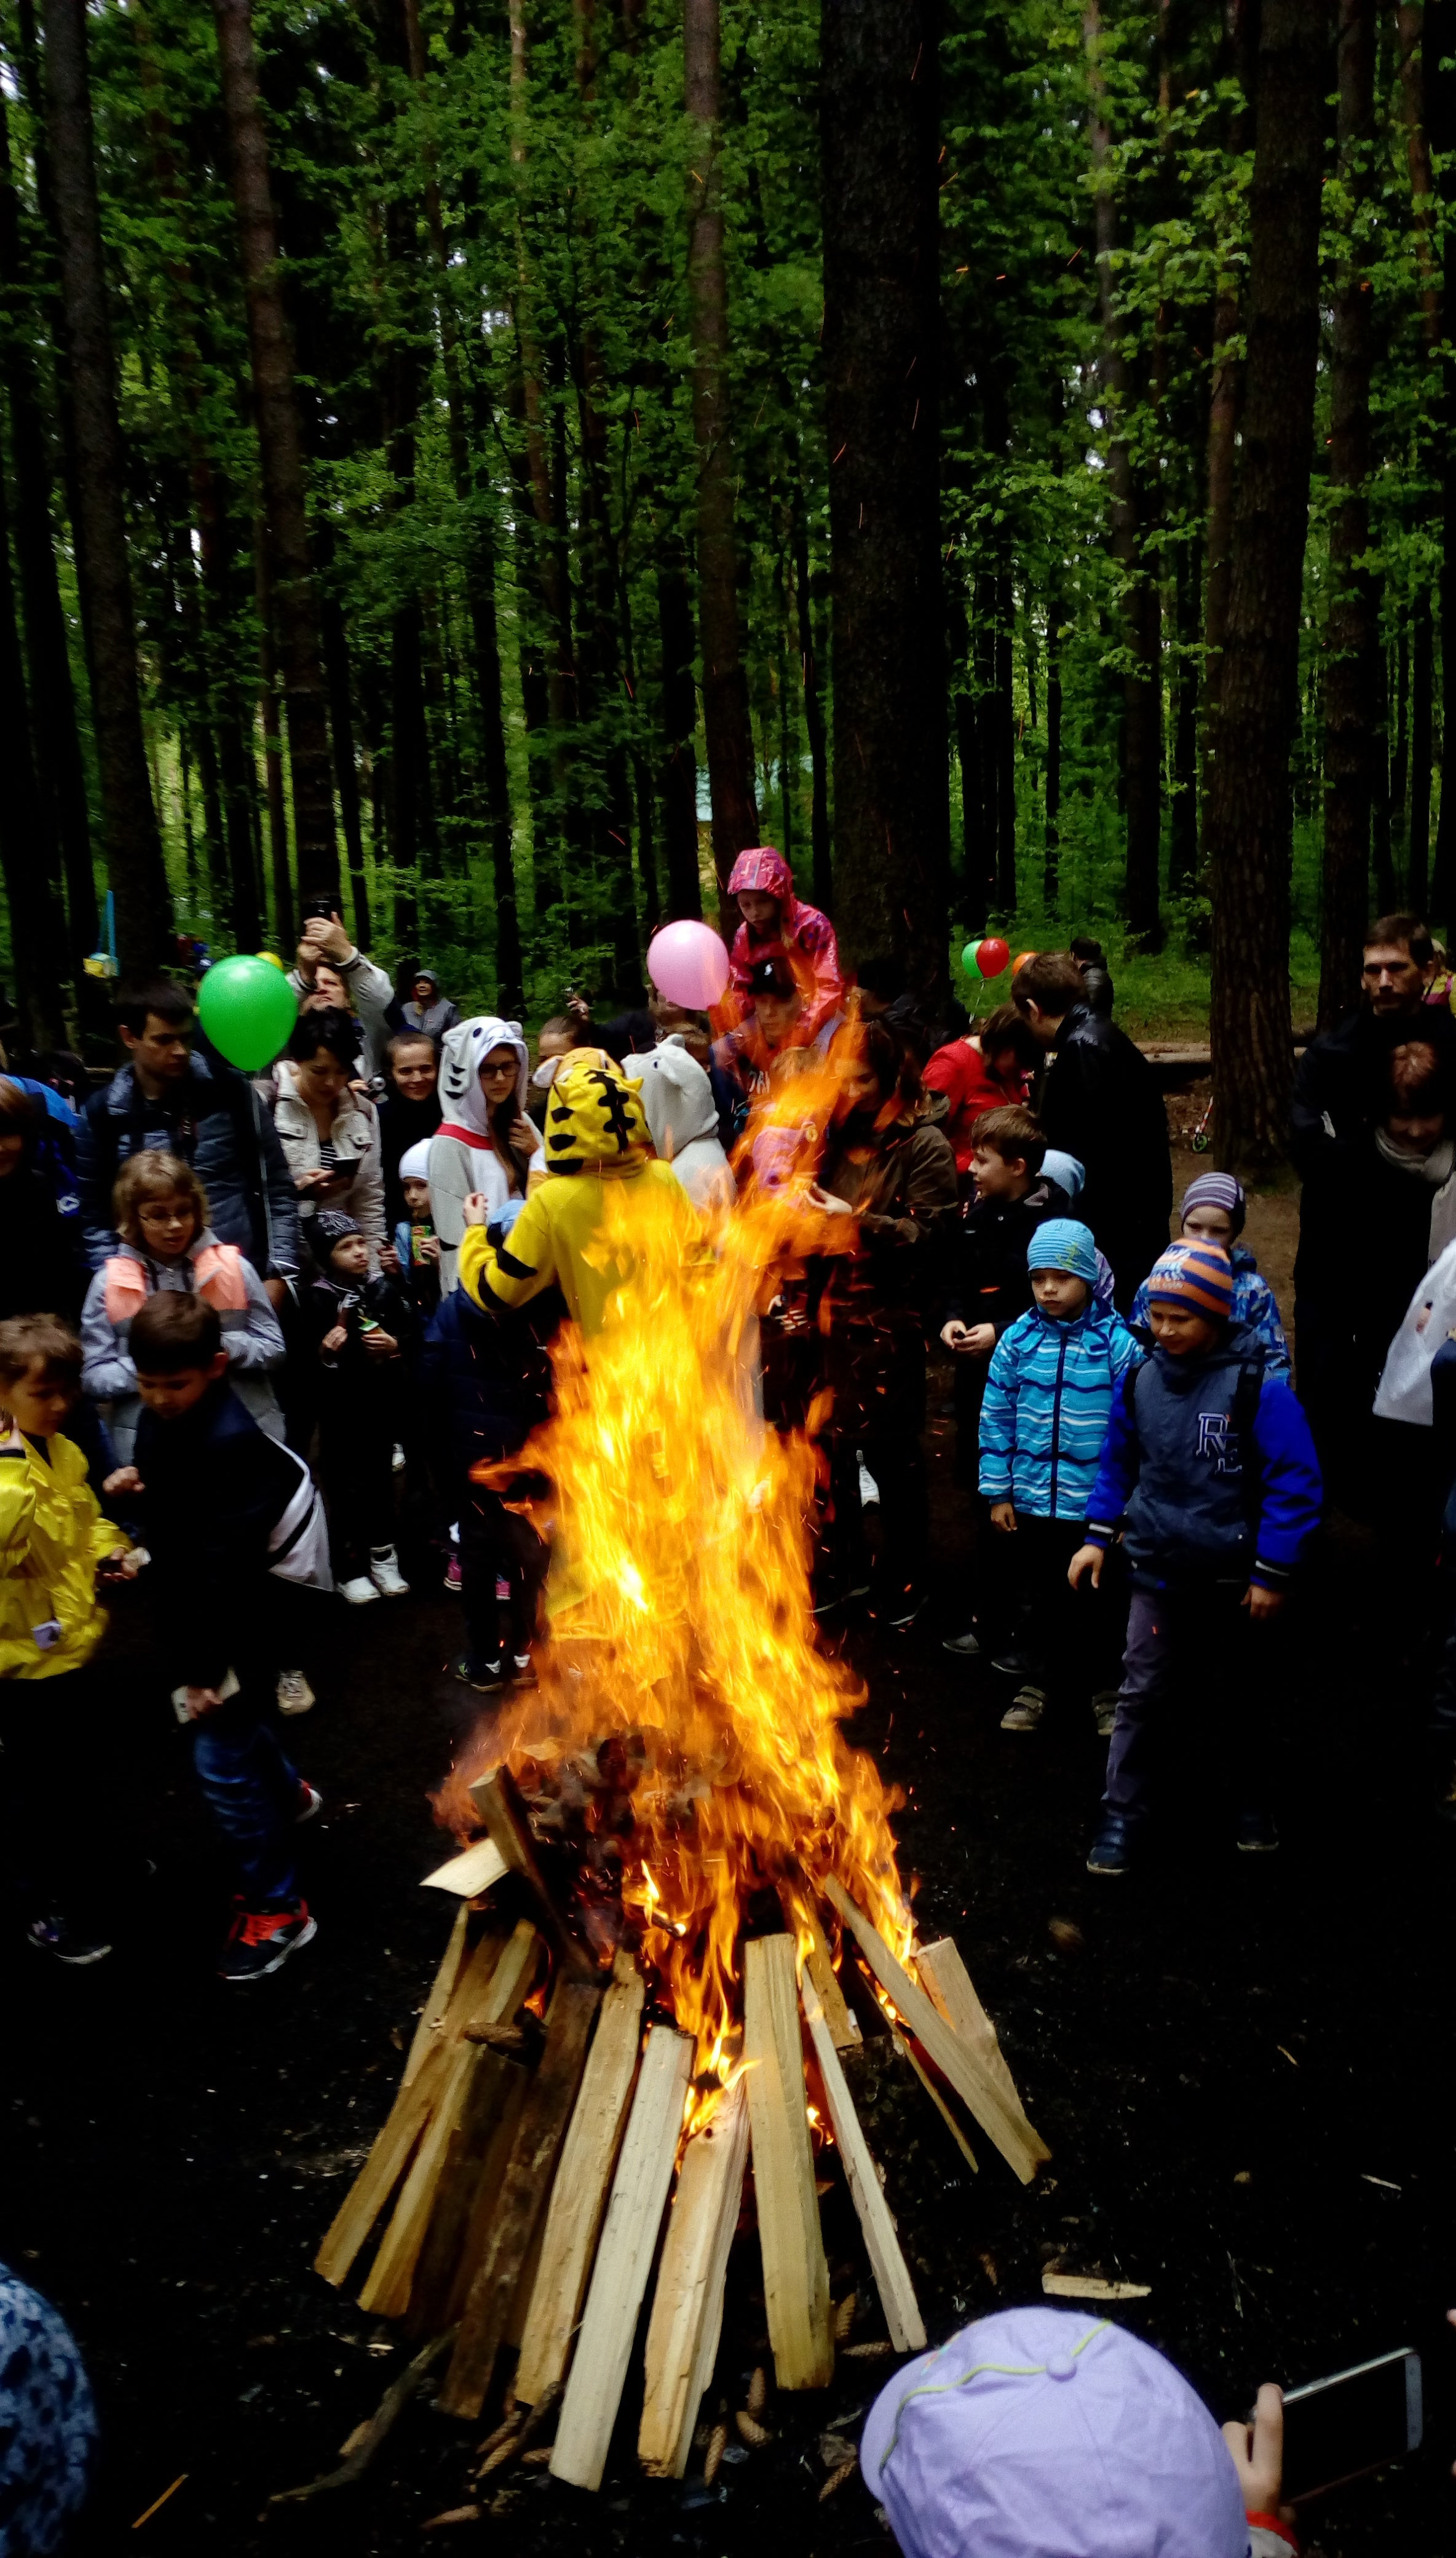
<point x="665" y="1848"/>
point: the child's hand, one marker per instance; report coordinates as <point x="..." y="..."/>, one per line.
<point x="1003" y="1517"/>
<point x="201" y="1701"/>
<point x="382" y="1344"/>
<point x="476" y="1210"/>
<point x="1257" y="2454"/>
<point x="981" y="1341"/>
<point x="125" y="1479"/>
<point x="955" y="1335"/>
<point x="121" y="1564"/>
<point x="1260" y="1602"/>
<point x="430" y="1248"/>
<point x="389" y="1260"/>
<point x="1087" y="1565"/>
<point x="335" y="1340"/>
<point x="827" y="1202"/>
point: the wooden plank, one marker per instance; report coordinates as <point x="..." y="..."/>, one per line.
<point x="623" y="2259"/>
<point x="498" y="1804"/>
<point x="496" y="2086"/>
<point x="796" y="2275"/>
<point x="688" y="2305"/>
<point x="907" y="2052"/>
<point x="527" y="2180"/>
<point x="887" y="2261"/>
<point x="442" y="1990"/>
<point x="477" y="1869"/>
<point x="579" y="2195"/>
<point x="1091" y="2287"/>
<point x="967" y="2075"/>
<point x="818" y="1962"/>
<point x="388" y="2288"/>
<point x="941" y="1971"/>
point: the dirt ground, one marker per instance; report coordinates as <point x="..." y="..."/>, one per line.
<point x="1242" y="2068"/>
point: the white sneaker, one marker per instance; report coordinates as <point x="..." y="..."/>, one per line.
<point x="396" y="1460"/>
<point x="385" y="1574"/>
<point x="359" y="1591"/>
<point x="869" y="1490"/>
<point x="293" y="1692"/>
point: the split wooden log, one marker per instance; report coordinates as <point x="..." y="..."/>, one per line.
<point x="579" y="2195"/>
<point x="515" y="2211"/>
<point x="498" y="1804"/>
<point x="391" y="2275"/>
<point x="688" y="2305"/>
<point x="935" y="2089"/>
<point x="887" y="2261"/>
<point x="442" y="1990"/>
<point x="967" y="2075"/>
<point x="623" y="2259"/>
<point x="818" y="1962"/>
<point x="477" y="2155"/>
<point x="941" y="1971"/>
<point x="473" y="1872"/>
<point x="795" y="2274"/>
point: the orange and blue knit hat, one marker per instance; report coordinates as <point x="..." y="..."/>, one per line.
<point x="1197" y="1275"/>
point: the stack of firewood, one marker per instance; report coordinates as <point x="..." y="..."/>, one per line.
<point x="529" y="2156"/>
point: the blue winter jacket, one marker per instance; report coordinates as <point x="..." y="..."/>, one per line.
<point x="1209" y="1468"/>
<point x="1049" y="1390"/>
<point x="1255" y="1309"/>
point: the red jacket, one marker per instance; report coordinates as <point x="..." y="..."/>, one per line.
<point x="962" y="1073"/>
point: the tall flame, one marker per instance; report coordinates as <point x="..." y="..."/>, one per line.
<point x="679" y="1609"/>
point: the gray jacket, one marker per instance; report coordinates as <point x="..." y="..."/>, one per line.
<point x="251" y="1338"/>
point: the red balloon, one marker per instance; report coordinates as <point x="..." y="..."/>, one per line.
<point x="992" y="957"/>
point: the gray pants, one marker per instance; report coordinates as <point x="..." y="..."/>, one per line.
<point x="1179" y="1642"/>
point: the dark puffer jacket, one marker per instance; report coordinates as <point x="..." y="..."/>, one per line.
<point x="487" y="1378"/>
<point x="216" y="1122"/>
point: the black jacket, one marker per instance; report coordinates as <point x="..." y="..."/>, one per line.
<point x="1337" y="1082"/>
<point x="329" y="1301"/>
<point x="1102" y="1105"/>
<point x="989" y="1280"/>
<point x="1365" y="1228"/>
<point x="41" y="1269"/>
<point x="215" y="1487"/>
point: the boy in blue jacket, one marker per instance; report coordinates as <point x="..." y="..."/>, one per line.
<point x="1210" y="1473"/>
<point x="1051" y="1385"/>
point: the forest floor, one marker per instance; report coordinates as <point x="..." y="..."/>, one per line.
<point x="1241" y="2067"/>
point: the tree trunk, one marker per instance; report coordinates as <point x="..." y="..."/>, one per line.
<point x="820" y="855"/>
<point x="274" y="798"/>
<point x="1417" y="873"/>
<point x="28" y="861"/>
<point x="964" y="890"/>
<point x="1226" y="401"/>
<point x="133" y="844"/>
<point x="1248" y="815"/>
<point x="1051" y="859"/>
<point x="981" y="888"/>
<point x="1142" y="689"/>
<point x="1416" y="50"/>
<point x="341" y="724"/>
<point x="1183" y="845"/>
<point x="280" y="455"/>
<point x="880" y="92"/>
<point x="1351" y="628"/>
<point x="726" y="728"/>
<point x="1440" y="104"/>
<point x="679" y="720"/>
<point x="1401" y="757"/>
<point x="1005" y="748"/>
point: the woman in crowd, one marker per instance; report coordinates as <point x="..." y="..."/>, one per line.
<point x="427" y="1009"/>
<point x="329" y="1132"/>
<point x="40" y="1257"/>
<point x="988" y="1070"/>
<point x="485" y="1142"/>
<point x="332" y="976"/>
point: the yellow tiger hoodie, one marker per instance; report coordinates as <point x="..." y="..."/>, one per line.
<point x="52" y="1538"/>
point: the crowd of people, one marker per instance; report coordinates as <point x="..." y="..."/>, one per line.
<point x="248" y="1324"/>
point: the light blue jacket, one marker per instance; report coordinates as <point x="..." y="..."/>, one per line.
<point x="1254" y="1310"/>
<point x="1048" y="1392"/>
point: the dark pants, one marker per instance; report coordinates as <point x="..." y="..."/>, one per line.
<point x="253" y="1792"/>
<point x="1179" y="1643"/>
<point x="892" y="1453"/>
<point x="356" y="1457"/>
<point x="497" y="1543"/>
<point x="62" y="1804"/>
<point x="1067" y="1637"/>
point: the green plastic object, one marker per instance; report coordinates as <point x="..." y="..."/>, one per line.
<point x="247" y="1008"/>
<point x="968" y="959"/>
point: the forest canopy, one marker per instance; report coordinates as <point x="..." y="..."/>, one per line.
<point x="502" y="460"/>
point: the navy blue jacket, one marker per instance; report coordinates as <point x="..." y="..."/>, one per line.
<point x="1200" y="1497"/>
<point x="216" y="1122"/>
<point x="487" y="1380"/>
<point x="213" y="1489"/>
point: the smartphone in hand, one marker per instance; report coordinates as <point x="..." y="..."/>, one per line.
<point x="1357" y="2420"/>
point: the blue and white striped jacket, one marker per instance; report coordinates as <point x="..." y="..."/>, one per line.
<point x="1048" y="1392"/>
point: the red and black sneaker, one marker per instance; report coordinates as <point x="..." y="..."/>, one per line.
<point x="261" y="1940"/>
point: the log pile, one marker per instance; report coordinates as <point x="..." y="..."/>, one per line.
<point x="546" y="2165"/>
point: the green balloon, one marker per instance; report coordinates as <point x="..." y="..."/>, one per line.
<point x="968" y="959"/>
<point x="247" y="1009"/>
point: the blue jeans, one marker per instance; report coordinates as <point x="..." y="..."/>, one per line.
<point x="1179" y="1642"/>
<point x="252" y="1792"/>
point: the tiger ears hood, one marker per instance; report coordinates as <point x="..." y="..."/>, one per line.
<point x="594" y="1116"/>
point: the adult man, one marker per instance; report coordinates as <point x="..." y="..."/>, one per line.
<point x="1339" y="1077"/>
<point x="1102" y="1105"/>
<point x="349" y="980"/>
<point x="195" y="1107"/>
<point x="409" y="1111"/>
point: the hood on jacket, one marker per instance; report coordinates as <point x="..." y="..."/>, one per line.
<point x="594" y="1116"/>
<point x="764" y="873"/>
<point x="414" y="1163"/>
<point x="463" y="1052"/>
<point x="430" y="976"/>
<point x="675" y="1096"/>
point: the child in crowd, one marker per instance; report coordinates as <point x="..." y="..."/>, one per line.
<point x="988" y="1070"/>
<point x="362" y="1326"/>
<point x="1210" y="1473"/>
<point x="1051" y="1383"/>
<point x="554" y="1039"/>
<point x="161" y="1213"/>
<point x="58" y="1719"/>
<point x="226" y="1511"/>
<point x="417" y="1262"/>
<point x="1213" y="1211"/>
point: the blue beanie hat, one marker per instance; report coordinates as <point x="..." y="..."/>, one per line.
<point x="1062" y="1245"/>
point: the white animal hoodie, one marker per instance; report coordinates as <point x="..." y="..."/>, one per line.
<point x="684" y="1119"/>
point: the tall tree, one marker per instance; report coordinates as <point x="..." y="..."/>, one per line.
<point x="133" y="843"/>
<point x="880" y="143"/>
<point x="280" y="452"/>
<point x="1249" y="816"/>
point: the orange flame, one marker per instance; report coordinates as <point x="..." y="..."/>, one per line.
<point x="679" y="1611"/>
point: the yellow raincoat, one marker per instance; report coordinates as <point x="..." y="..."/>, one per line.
<point x="52" y="1538"/>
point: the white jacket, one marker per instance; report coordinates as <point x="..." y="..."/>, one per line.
<point x="355" y="1135"/>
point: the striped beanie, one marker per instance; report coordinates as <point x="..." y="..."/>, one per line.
<point x="1199" y="1276"/>
<point x="1059" y="1243"/>
<point x="1217" y="1189"/>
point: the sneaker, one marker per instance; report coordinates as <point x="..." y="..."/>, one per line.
<point x="965" y="1646"/>
<point x="485" y="1676"/>
<point x="1110" y="1850"/>
<point x="523" y="1670"/>
<point x="904" y="1610"/>
<point x="1012" y="1664"/>
<point x="56" y="1936"/>
<point x="359" y="1591"/>
<point x="837" y="1599"/>
<point x="1025" y="1711"/>
<point x="869" y="1490"/>
<point x="261" y="1940"/>
<point x="294" y="1693"/>
<point x="385" y="1574"/>
<point x="503" y="1589"/>
<point x="454" y="1577"/>
<point x="1104" y="1711"/>
<point x="1256" y="1835"/>
<point x="310" y="1804"/>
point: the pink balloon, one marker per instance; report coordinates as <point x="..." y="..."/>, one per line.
<point x="687" y="963"/>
